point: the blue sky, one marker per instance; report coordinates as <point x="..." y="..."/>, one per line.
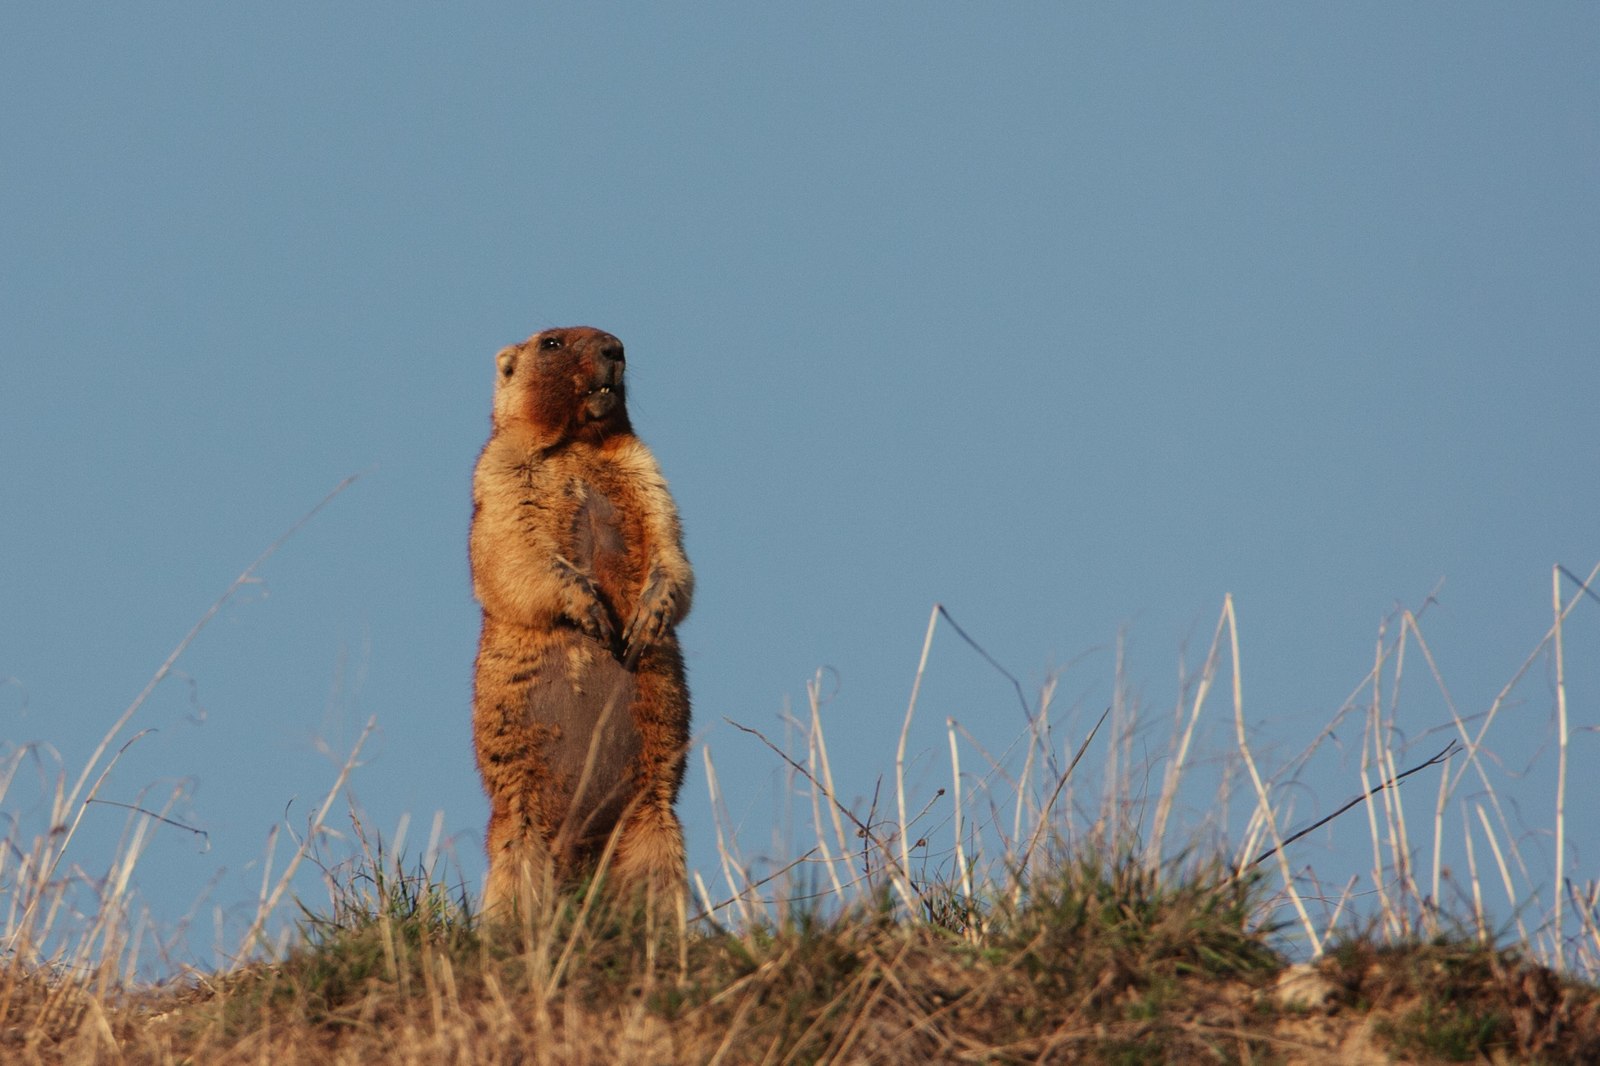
<point x="1072" y="319"/>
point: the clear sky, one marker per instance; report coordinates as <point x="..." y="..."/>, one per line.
<point x="1071" y="318"/>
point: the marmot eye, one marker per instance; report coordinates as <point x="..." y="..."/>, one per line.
<point x="550" y="344"/>
<point x="508" y="370"/>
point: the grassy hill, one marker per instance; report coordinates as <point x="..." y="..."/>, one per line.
<point x="1084" y="910"/>
<point x="1101" y="961"/>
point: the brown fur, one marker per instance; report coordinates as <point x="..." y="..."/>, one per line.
<point x="580" y="708"/>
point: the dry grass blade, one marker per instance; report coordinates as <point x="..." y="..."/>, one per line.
<point x="1183" y="741"/>
<point x="1264" y="804"/>
<point x="270" y="904"/>
<point x="28" y="928"/>
<point x="903" y="880"/>
<point x="1563" y="732"/>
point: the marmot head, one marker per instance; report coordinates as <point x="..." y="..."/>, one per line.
<point x="562" y="385"/>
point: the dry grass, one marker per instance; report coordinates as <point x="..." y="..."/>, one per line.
<point x="1038" y="909"/>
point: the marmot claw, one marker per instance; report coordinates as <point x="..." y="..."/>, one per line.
<point x="657" y="609"/>
<point x="584" y="605"/>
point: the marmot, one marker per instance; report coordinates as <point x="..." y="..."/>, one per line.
<point x="580" y="707"/>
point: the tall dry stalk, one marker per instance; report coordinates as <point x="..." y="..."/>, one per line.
<point x="1562" y="733"/>
<point x="901" y="877"/>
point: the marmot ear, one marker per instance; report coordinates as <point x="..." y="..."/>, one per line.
<point x="506" y="361"/>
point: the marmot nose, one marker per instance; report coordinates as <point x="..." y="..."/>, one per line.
<point x="611" y="350"/>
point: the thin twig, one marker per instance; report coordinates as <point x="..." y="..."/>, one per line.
<point x="990" y="659"/>
<point x="708" y="909"/>
<point x="1450" y="749"/>
<point x="1583" y="586"/>
<point x="201" y="833"/>
<point x="1044" y="813"/>
<point x="861" y="826"/>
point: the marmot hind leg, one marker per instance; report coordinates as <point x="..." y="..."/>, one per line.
<point x="649" y="853"/>
<point x="521" y="866"/>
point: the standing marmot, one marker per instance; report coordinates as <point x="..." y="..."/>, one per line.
<point x="580" y="709"/>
